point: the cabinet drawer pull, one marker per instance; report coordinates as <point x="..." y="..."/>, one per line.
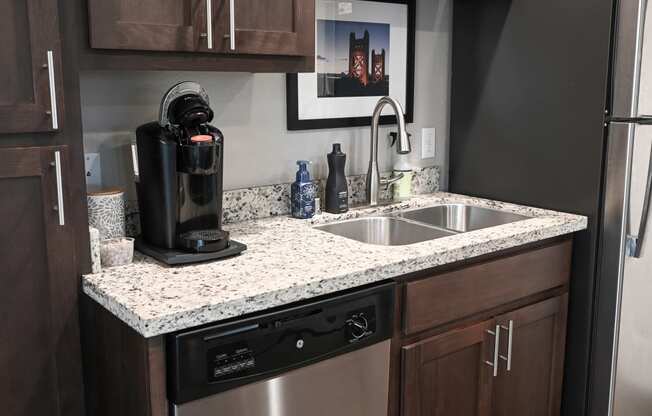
<point x="53" y="113"/>
<point x="494" y="364"/>
<point x="57" y="171"/>
<point x="510" y="336"/>
<point x="209" y="24"/>
<point x="232" y="24"/>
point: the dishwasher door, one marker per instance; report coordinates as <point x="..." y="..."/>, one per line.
<point x="351" y="384"/>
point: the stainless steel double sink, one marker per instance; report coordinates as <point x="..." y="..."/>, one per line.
<point x="423" y="224"/>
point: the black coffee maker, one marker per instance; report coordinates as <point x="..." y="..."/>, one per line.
<point x="180" y="175"/>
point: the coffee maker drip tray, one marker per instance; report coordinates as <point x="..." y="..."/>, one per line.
<point x="202" y="241"/>
<point x="177" y="257"/>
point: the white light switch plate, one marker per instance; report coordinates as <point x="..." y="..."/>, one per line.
<point x="93" y="169"/>
<point x="428" y="140"/>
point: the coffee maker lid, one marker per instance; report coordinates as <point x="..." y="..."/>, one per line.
<point x="178" y="90"/>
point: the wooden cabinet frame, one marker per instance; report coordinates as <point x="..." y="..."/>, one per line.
<point x="527" y="285"/>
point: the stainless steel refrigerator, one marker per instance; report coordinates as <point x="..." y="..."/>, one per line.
<point x="627" y="253"/>
<point x="548" y="104"/>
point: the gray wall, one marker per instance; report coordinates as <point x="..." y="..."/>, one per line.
<point x="250" y="109"/>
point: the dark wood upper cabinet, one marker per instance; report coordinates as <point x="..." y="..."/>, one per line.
<point x="39" y="321"/>
<point x="31" y="97"/>
<point x="151" y="25"/>
<point x="271" y="27"/>
<point x="533" y="385"/>
<point x="251" y="27"/>
<point x="448" y="375"/>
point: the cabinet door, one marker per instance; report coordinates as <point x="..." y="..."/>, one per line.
<point x="152" y="25"/>
<point x="450" y="374"/>
<point x="270" y="27"/>
<point x="30" y="73"/>
<point x="39" y="336"/>
<point x="532" y="386"/>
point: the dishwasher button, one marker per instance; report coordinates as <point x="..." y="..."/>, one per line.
<point x="300" y="344"/>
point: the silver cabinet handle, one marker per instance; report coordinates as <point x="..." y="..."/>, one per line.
<point x="57" y="170"/>
<point x="510" y="336"/>
<point x="209" y="24"/>
<point x="232" y="24"/>
<point x="635" y="242"/>
<point x="494" y="364"/>
<point x="53" y="92"/>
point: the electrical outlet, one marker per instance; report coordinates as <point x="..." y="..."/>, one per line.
<point x="428" y="140"/>
<point x="93" y="169"/>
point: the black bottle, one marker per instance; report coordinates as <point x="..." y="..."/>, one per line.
<point x="337" y="191"/>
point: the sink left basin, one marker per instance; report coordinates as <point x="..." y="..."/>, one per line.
<point x="386" y="231"/>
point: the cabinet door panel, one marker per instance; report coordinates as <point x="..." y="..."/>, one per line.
<point x="155" y="25"/>
<point x="271" y="27"/>
<point x="447" y="375"/>
<point x="29" y="29"/>
<point x="533" y="385"/>
<point x="39" y="339"/>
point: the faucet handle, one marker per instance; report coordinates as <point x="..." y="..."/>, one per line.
<point x="388" y="181"/>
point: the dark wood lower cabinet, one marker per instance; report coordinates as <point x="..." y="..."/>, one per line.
<point x="40" y="368"/>
<point x="532" y="387"/>
<point x="124" y="373"/>
<point x="447" y="375"/>
<point x="452" y="374"/>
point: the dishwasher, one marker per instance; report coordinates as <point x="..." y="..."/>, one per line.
<point x="322" y="358"/>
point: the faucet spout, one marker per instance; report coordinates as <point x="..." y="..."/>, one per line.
<point x="403" y="146"/>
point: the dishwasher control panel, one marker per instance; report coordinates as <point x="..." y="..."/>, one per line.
<point x="221" y="357"/>
<point x="226" y="362"/>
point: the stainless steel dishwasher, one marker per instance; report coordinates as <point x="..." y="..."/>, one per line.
<point x="323" y="358"/>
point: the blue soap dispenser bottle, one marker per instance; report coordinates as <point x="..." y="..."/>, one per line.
<point x="303" y="193"/>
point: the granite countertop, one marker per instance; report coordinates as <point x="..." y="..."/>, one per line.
<point x="288" y="260"/>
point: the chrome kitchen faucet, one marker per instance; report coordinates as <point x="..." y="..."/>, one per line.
<point x="374" y="181"/>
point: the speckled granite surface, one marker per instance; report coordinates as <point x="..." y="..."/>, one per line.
<point x="288" y="261"/>
<point x="273" y="200"/>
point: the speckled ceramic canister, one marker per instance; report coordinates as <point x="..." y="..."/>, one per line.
<point x="106" y="212"/>
<point x="96" y="263"/>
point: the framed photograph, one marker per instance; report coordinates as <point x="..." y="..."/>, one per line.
<point x="364" y="51"/>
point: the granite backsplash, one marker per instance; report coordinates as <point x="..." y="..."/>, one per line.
<point x="272" y="200"/>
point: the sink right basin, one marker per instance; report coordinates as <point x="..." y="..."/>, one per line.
<point x="461" y="218"/>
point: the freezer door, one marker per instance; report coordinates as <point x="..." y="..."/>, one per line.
<point x="627" y="57"/>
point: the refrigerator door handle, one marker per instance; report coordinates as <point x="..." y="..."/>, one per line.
<point x="635" y="242"/>
<point x="644" y="120"/>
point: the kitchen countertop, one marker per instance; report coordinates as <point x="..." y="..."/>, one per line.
<point x="287" y="260"/>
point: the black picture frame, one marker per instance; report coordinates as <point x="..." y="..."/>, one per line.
<point x="292" y="90"/>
